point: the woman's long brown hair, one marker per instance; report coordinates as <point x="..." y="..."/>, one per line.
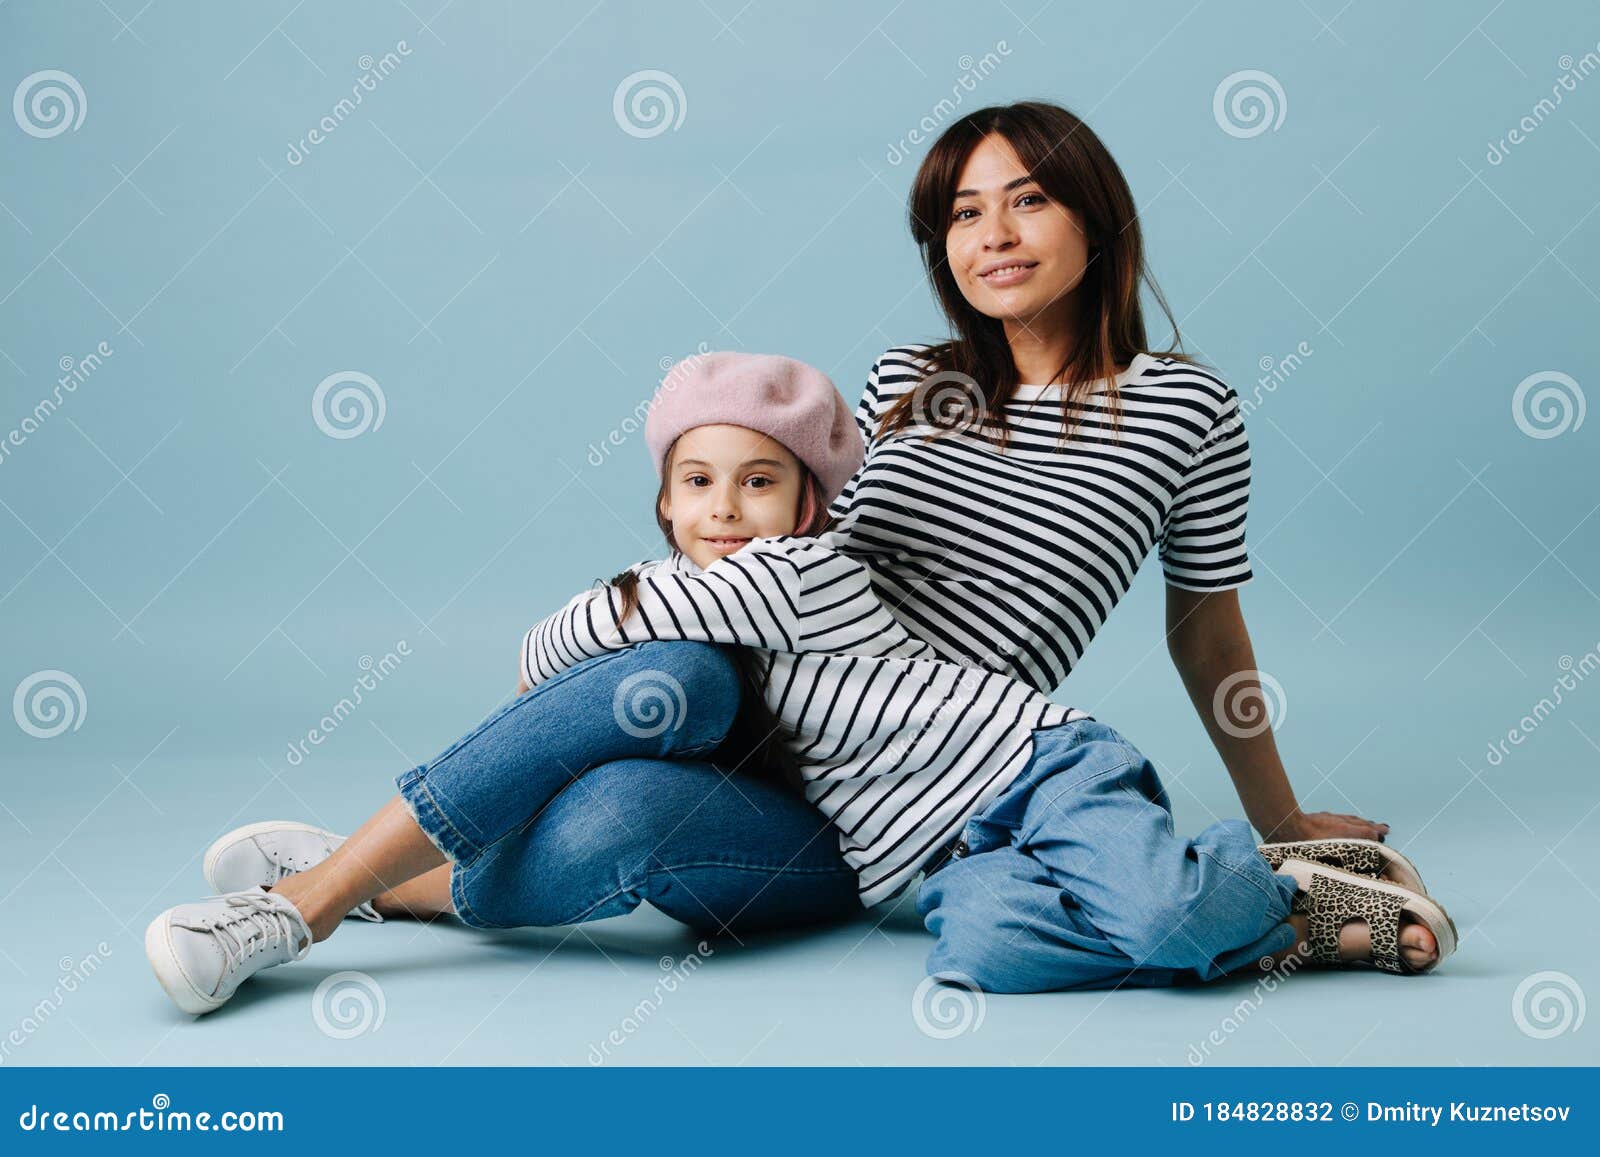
<point x="1074" y="168"/>
<point x="756" y="743"/>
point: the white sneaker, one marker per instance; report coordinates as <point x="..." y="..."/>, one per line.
<point x="259" y="855"/>
<point x="202" y="952"/>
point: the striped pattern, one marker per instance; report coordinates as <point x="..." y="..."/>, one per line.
<point x="1012" y="561"/>
<point x="898" y="747"/>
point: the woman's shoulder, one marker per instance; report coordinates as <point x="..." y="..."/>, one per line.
<point x="1174" y="381"/>
<point x="900" y="366"/>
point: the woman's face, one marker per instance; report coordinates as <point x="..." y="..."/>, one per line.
<point x="727" y="485"/>
<point x="1015" y="252"/>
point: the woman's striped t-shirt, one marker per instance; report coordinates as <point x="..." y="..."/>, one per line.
<point x="1012" y="561"/>
<point x="898" y="748"/>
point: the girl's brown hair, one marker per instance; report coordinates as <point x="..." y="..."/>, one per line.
<point x="756" y="742"/>
<point x="1074" y="168"/>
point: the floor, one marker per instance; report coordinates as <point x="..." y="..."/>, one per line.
<point x="79" y="888"/>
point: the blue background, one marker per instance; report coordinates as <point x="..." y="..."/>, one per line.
<point x="485" y="241"/>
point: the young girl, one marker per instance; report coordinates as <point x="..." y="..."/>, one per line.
<point x="1046" y="838"/>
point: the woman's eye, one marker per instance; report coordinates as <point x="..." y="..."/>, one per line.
<point x="1026" y="197"/>
<point x="958" y="213"/>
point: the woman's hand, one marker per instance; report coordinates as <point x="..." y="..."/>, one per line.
<point x="1327" y="826"/>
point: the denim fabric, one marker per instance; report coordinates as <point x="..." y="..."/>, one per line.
<point x="1073" y="879"/>
<point x="602" y="787"/>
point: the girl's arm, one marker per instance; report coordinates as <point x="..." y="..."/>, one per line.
<point x="1208" y="642"/>
<point x="750" y="598"/>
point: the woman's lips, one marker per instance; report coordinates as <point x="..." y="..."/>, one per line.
<point x="1012" y="275"/>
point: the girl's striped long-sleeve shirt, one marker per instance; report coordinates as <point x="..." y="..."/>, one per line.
<point x="897" y="747"/>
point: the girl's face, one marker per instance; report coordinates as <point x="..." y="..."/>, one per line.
<point x="1015" y="252"/>
<point x="727" y="485"/>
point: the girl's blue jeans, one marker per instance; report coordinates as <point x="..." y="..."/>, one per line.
<point x="1074" y="879"/>
<point x="605" y="786"/>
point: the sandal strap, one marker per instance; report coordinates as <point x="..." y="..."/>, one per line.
<point x="1363" y="859"/>
<point x="1330" y="903"/>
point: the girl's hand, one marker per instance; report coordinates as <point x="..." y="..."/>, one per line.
<point x="1328" y="826"/>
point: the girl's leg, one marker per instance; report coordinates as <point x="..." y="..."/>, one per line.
<point x="660" y="700"/>
<point x="720" y="852"/>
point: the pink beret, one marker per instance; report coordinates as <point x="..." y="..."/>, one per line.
<point x="789" y="401"/>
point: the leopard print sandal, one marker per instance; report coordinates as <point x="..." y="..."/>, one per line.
<point x="1363" y="857"/>
<point x="1330" y="897"/>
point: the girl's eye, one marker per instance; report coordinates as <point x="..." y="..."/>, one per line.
<point x="760" y="482"/>
<point x="696" y="479"/>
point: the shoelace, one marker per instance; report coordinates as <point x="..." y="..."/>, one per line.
<point x="252" y="920"/>
<point x="365" y="909"/>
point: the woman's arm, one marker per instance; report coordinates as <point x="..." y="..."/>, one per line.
<point x="1208" y="642"/>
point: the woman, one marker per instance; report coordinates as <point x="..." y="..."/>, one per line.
<point x="1009" y="561"/>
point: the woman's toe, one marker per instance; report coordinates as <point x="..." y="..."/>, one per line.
<point x="1418" y="946"/>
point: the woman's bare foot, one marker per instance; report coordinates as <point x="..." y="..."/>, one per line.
<point x="1418" y="948"/>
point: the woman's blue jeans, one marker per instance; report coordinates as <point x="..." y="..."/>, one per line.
<point x="1073" y="878"/>
<point x="605" y="786"/>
